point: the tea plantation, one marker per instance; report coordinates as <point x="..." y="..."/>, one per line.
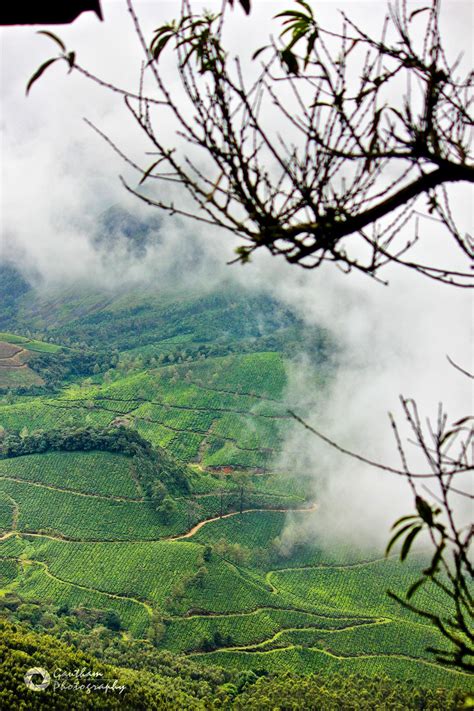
<point x="174" y="540"/>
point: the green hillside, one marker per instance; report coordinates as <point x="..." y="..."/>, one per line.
<point x="29" y="344"/>
<point x="143" y="501"/>
<point x="17" y="355"/>
<point x="168" y="326"/>
<point x="219" y="412"/>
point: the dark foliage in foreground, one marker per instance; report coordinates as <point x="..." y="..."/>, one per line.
<point x="179" y="684"/>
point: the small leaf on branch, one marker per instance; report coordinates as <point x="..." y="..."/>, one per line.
<point x="243" y="254"/>
<point x="397" y="535"/>
<point x="39" y="72"/>
<point x="259" y="51"/>
<point x="403" y="518"/>
<point x="245" y="5"/>
<point x="307" y="7"/>
<point x="425" y="510"/>
<point x="311" y="42"/>
<point x="290" y="61"/>
<point x="54" y="37"/>
<point x="159" y="43"/>
<point x="148" y="171"/>
<point x="290" y="14"/>
<point x="417" y="12"/>
<point x="408" y="541"/>
<point x="447" y="435"/>
<point x="463" y="420"/>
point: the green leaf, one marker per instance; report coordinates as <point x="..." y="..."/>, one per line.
<point x="424" y="509"/>
<point x="194" y="48"/>
<point x="39" y="72"/>
<point x="408" y="541"/>
<point x="298" y="32"/>
<point x="159" y="43"/>
<point x="311" y="42"/>
<point x="307" y="7"/>
<point x="404" y="518"/>
<point x="290" y="61"/>
<point x="413" y="588"/>
<point x="243" y="254"/>
<point x="54" y="37"/>
<point x="259" y="51"/>
<point x="290" y="13"/>
<point x="396" y="536"/>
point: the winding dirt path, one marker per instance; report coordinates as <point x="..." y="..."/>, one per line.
<point x="177" y="537"/>
<point x="199" y="525"/>
<point x="276" y="608"/>
<point x="97" y="591"/>
<point x="261" y="646"/>
<point x="339" y="656"/>
<point x="173" y="406"/>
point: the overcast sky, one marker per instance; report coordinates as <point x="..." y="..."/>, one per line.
<point x="57" y="177"/>
<point x="52" y="163"/>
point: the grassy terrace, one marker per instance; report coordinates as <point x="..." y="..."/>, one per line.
<point x="76" y="529"/>
<point x="189" y="409"/>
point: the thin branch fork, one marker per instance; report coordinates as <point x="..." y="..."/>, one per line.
<point x="372" y="463"/>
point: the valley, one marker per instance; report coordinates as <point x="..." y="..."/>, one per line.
<point x="151" y="491"/>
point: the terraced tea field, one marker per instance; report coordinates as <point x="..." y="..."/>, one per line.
<point x="78" y="530"/>
<point x="190" y="409"/>
<point x="231" y="614"/>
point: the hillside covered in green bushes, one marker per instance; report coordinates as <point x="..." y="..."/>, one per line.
<point x="144" y="510"/>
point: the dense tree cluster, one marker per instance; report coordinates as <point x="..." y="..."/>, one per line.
<point x="55" y="368"/>
<point x="343" y="691"/>
<point x="153" y="463"/>
<point x="22" y="650"/>
<point x="109" y="439"/>
<point x="161" y="680"/>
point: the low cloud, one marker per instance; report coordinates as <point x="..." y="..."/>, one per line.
<point x="391" y="341"/>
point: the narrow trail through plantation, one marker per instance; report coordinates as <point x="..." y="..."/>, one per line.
<point x="180" y="536"/>
<point x="200" y="525"/>
<point x="116" y="596"/>
<point x="261" y="646"/>
<point x="251" y="650"/>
